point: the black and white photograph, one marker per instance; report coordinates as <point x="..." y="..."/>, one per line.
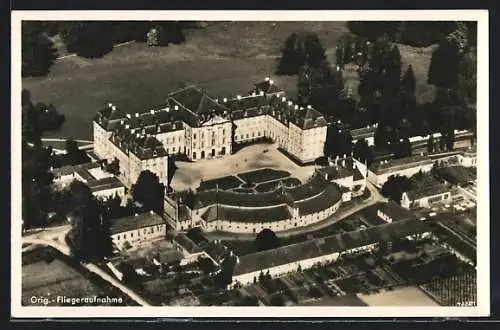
<point x="286" y="163"/>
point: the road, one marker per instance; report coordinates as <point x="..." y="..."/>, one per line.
<point x="55" y="237"/>
<point x="374" y="198"/>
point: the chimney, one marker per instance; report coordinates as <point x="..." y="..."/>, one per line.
<point x="261" y="93"/>
<point x="290" y="103"/>
<point x="343" y="162"/>
<point x="283" y="99"/>
<point x="271" y="82"/>
<point x="152" y="112"/>
<point x="136" y="115"/>
<point x="122" y="122"/>
<point x="127" y="126"/>
<point x="309" y="107"/>
<point x="225" y="100"/>
<point x="113" y="108"/>
<point x="158" y="129"/>
<point x="110" y="105"/>
<point x="129" y="116"/>
<point x="267" y="79"/>
<point x="238" y="97"/>
<point x="167" y="109"/>
<point x="296" y="107"/>
<point x="217" y="100"/>
<point x="176" y="107"/>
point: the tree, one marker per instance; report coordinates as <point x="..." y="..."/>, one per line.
<point x="31" y="131"/>
<point x="290" y="61"/>
<point x="225" y="276"/>
<point x="266" y="240"/>
<point x="149" y="191"/>
<point x="380" y="137"/>
<point x="363" y="152"/>
<point x="113" y="167"/>
<point x="430" y="143"/>
<point x="48" y="117"/>
<point x="300" y="49"/>
<point x="408" y="89"/>
<point x="392" y="72"/>
<point x="89" y="39"/>
<point x="38" y="51"/>
<point x="449" y="139"/>
<point x="444" y="67"/>
<point x="206" y="265"/>
<point x="74" y="155"/>
<point x="89" y="236"/>
<point x="36" y="185"/>
<point x="339" y="54"/>
<point x="320" y="87"/>
<point x="394" y="187"/>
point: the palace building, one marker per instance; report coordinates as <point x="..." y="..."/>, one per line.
<point x="280" y="209"/>
<point x="201" y="127"/>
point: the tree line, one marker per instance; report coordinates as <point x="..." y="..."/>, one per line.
<point x="387" y="94"/>
<point x="89" y="39"/>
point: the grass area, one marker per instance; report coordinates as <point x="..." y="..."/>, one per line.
<point x="224" y="183"/>
<point x="42" y="279"/>
<point x="225" y="58"/>
<point x="270" y="186"/>
<point x="263" y="175"/>
<point x="408" y="296"/>
<point x="457" y="174"/>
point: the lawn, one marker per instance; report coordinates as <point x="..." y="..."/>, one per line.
<point x="225" y="58"/>
<point x="409" y="296"/>
<point x="54" y="279"/>
<point x="224" y="183"/>
<point x="270" y="186"/>
<point x="263" y="175"/>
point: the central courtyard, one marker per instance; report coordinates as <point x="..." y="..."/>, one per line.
<point x="236" y="171"/>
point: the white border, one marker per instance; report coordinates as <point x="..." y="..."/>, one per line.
<point x="483" y="216"/>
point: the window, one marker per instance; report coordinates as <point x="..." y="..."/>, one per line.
<point x="167" y="151"/>
<point x="118" y="236"/>
<point x="194" y="136"/>
<point x="253" y="134"/>
<point x="224" y="131"/>
<point x="247" y="135"/>
<point x="174" y="149"/>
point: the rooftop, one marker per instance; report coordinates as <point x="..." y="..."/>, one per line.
<point x="187" y="244"/>
<point x="328" y="245"/>
<point x="142" y="220"/>
<point x="394" y="165"/>
<point x="427" y="191"/>
<point x="143" y="146"/>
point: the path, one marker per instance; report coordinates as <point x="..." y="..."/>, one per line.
<point x="55" y="237"/>
<point x="374" y="198"/>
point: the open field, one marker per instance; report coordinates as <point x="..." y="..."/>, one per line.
<point x="408" y="296"/>
<point x="54" y="279"/>
<point x="224" y="58"/>
<point x="189" y="175"/>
